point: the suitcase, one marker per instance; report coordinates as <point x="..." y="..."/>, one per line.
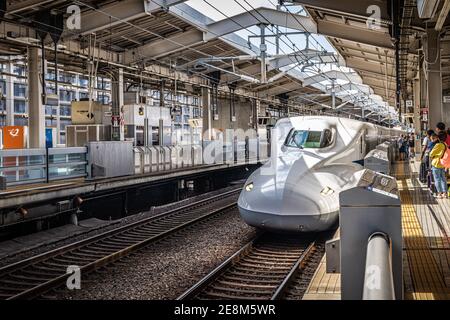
<point x="431" y="185"/>
<point x="423" y="172"/>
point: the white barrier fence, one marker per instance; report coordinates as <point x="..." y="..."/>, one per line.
<point x="166" y="158"/>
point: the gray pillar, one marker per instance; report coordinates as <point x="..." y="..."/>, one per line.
<point x="36" y="112"/>
<point x="207" y="115"/>
<point x="417" y="118"/>
<point x="162" y="103"/>
<point x="117" y="131"/>
<point x="9" y="96"/>
<point x="434" y="83"/>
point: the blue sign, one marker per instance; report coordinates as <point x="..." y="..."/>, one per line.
<point x="49" y="137"/>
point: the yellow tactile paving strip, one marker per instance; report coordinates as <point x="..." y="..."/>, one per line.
<point x="423" y="278"/>
<point x="427" y="280"/>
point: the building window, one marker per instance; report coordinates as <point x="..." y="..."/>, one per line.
<point x="103" y="83"/>
<point x="19" y="70"/>
<point x="83" y="81"/>
<point x="20" y="90"/>
<point x="3" y="86"/>
<point x="50" y="75"/>
<point x="65" y="111"/>
<point x="103" y="98"/>
<point x="50" y="90"/>
<point x="66" y="95"/>
<point x="84" y="95"/>
<point x="51" y="111"/>
<point x="20" y="106"/>
<point x="50" y="123"/>
<point x="64" y="123"/>
<point x="20" y="121"/>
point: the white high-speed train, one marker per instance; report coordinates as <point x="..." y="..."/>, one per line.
<point x="313" y="159"/>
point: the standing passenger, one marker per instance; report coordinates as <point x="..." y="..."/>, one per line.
<point x="412" y="147"/>
<point x="425" y="156"/>
<point x="440" y="127"/>
<point x="401" y="147"/>
<point x="426" y="147"/>
<point x="437" y="168"/>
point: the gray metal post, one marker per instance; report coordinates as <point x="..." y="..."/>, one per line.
<point x="333" y="93"/>
<point x="434" y="83"/>
<point x="10" y="95"/>
<point x="378" y="280"/>
<point x="117" y="131"/>
<point x="36" y="112"/>
<point x="207" y="115"/>
<point x="263" y="48"/>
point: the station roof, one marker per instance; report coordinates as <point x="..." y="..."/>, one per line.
<point x="172" y="33"/>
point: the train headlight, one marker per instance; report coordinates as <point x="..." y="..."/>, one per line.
<point x="249" y="187"/>
<point x="327" y="191"/>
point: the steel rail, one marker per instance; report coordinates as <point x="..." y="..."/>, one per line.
<point x="104" y="248"/>
<point x="282" y="279"/>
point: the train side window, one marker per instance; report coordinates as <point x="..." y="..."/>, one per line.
<point x="327" y="138"/>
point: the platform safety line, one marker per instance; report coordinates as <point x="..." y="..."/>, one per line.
<point x="427" y="279"/>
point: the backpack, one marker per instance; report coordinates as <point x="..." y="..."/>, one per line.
<point x="445" y="159"/>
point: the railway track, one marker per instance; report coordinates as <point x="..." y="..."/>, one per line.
<point x="32" y="277"/>
<point x="271" y="267"/>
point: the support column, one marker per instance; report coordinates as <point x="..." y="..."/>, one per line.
<point x="417" y="119"/>
<point x="118" y="129"/>
<point x="162" y="104"/>
<point x="263" y="49"/>
<point x="416" y="91"/>
<point x="36" y="112"/>
<point x="207" y="115"/>
<point x="9" y="95"/>
<point x="434" y="83"/>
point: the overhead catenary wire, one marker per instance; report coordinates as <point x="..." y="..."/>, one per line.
<point x="136" y="26"/>
<point x="185" y="47"/>
<point x="287" y="36"/>
<point x="153" y="33"/>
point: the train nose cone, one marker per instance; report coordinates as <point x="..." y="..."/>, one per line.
<point x="287" y="199"/>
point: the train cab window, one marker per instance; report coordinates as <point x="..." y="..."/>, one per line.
<point x="309" y="139"/>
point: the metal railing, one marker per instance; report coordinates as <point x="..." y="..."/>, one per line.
<point x="165" y="158"/>
<point x="24" y="166"/>
<point x="379" y="280"/>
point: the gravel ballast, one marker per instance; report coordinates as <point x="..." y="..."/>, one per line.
<point x="114" y="224"/>
<point x="166" y="269"/>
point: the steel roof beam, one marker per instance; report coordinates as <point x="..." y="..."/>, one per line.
<point x="347" y="7"/>
<point x="333" y="74"/>
<point x="361" y="64"/>
<point x="109" y="16"/>
<point x="284" y="61"/>
<point x="19" y="6"/>
<point x="285" y="88"/>
<point x="348" y="32"/>
<point x="164" y="47"/>
<point x="257" y="16"/>
<point x="156" y="5"/>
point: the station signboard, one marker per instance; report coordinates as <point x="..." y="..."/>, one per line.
<point x="14" y="137"/>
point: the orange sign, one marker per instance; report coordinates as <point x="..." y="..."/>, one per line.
<point x="13" y="137"/>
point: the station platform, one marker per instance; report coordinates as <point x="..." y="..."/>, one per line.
<point x="32" y="193"/>
<point x="426" y="245"/>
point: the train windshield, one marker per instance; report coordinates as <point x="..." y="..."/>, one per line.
<point x="309" y="139"/>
